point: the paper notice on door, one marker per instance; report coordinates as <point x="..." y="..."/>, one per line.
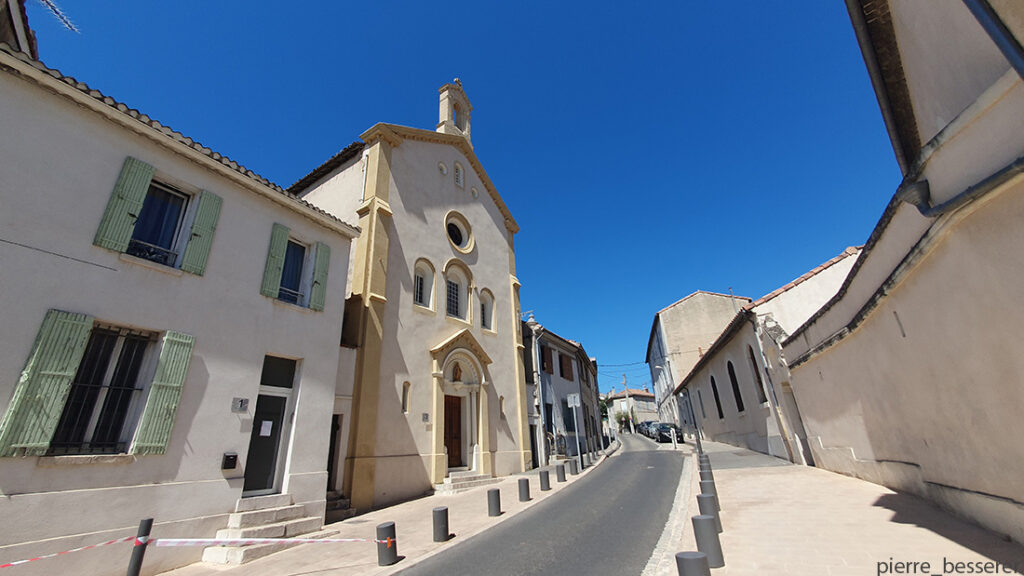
<point x="266" y="427"/>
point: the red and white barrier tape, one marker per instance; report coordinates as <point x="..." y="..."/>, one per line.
<point x="250" y="541"/>
<point x="20" y="562"/>
<point x="205" y="542"/>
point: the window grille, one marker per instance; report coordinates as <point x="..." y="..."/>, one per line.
<point x="159" y="221"/>
<point x="453" y="299"/>
<point x="102" y="394"/>
<point x="418" y="291"/>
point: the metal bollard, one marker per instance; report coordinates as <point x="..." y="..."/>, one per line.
<point x="708" y="506"/>
<point x="707" y="540"/>
<point x="494" y="502"/>
<point x="139" y="551"/>
<point x="707" y="474"/>
<point x="524" y="489"/>
<point x="692" y="564"/>
<point x="574" y="468"/>
<point x="708" y="487"/>
<point x="545" y="481"/>
<point x="560" y="472"/>
<point x="586" y="460"/>
<point x="387" y="547"/>
<point x="441" y="533"/>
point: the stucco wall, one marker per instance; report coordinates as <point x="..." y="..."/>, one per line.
<point x="58" y="174"/>
<point x="935" y="412"/>
<point x="420" y="197"/>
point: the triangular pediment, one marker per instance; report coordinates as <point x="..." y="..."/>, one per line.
<point x="461" y="339"/>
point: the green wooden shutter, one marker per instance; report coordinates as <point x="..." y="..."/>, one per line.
<point x="162" y="405"/>
<point x="318" y="294"/>
<point x="39" y="398"/>
<point x="201" y="238"/>
<point x="275" y="261"/>
<point x="123" y="208"/>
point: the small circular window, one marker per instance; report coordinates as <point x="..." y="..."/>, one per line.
<point x="459" y="233"/>
<point x="455" y="234"/>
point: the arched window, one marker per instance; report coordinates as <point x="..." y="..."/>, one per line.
<point x="405" y="397"/>
<point x="423" y="284"/>
<point x="700" y="399"/>
<point x="486" y="310"/>
<point x="456" y="293"/>
<point x="718" y="399"/>
<point x="757" y="376"/>
<point x="735" y="387"/>
<point x="460" y="176"/>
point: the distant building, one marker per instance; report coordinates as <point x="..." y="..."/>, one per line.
<point x="911" y="375"/>
<point x="564" y="369"/>
<point x="739" y="389"/>
<point x="636" y="404"/>
<point x="680" y="333"/>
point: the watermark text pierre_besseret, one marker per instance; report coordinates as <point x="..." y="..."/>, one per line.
<point x="947" y="566"/>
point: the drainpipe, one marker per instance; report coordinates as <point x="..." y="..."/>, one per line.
<point x="535" y="330"/>
<point x="999" y="33"/>
<point x="918" y="193"/>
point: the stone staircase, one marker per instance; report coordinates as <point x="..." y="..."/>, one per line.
<point x="271" y="516"/>
<point x="338" y="508"/>
<point x="457" y="482"/>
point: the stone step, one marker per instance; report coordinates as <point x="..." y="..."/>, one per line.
<point x="267" y="516"/>
<point x="333" y="516"/>
<point x="333" y="495"/>
<point x="243" y="554"/>
<point x="463" y="473"/>
<point x="338" y="504"/>
<point x="286" y="529"/>
<point x="459" y="487"/>
<point x="462" y="479"/>
<point x="263" y="502"/>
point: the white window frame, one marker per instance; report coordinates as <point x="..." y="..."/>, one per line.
<point x="185" y="219"/>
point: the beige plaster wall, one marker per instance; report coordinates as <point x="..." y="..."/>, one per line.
<point x="929" y="402"/>
<point x="693" y="324"/>
<point x="420" y="197"/>
<point x="948" y="59"/>
<point x="58" y="174"/>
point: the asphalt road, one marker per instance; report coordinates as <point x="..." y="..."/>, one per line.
<point x="607" y="522"/>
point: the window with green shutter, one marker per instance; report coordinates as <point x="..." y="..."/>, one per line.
<point x="125" y="205"/>
<point x="275" y="260"/>
<point x="35" y="409"/>
<point x="197" y="251"/>
<point x="147" y="219"/>
<point x="158" y="417"/>
<point x="318" y="291"/>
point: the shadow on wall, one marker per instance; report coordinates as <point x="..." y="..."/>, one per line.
<point x="392" y="422"/>
<point x="909" y="509"/>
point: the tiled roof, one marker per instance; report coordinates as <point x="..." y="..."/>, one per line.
<point x="322" y="170"/>
<point x="164" y="130"/>
<point x="850" y="251"/>
<point x="632" y="393"/>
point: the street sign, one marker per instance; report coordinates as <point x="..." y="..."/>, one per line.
<point x="573" y="400"/>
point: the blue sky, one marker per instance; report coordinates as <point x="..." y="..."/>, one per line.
<point x="647" y="149"/>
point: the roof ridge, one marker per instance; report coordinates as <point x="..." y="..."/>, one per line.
<point x="164" y="129"/>
<point x="847" y="252"/>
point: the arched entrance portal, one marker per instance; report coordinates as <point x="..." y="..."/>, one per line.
<point x="461" y="428"/>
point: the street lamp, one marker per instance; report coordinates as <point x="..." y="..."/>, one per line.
<point x="535" y="330"/>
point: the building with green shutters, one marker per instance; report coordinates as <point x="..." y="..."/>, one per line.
<point x="171" y="325"/>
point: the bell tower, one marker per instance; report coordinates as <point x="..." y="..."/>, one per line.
<point x="455" y="110"/>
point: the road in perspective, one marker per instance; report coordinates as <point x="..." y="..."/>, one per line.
<point x="607" y="523"/>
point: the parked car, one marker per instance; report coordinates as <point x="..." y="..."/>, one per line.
<point x="645" y="428"/>
<point x="664" y="433"/>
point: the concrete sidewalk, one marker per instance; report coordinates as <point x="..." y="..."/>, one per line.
<point x="467" y="516"/>
<point x="782" y="519"/>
